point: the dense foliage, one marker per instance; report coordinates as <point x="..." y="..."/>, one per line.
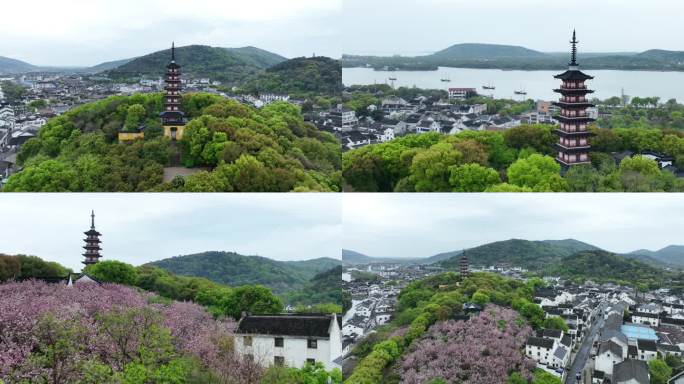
<point x="234" y="269"/>
<point x="308" y="77"/>
<point x="523" y="253"/>
<point x="325" y="287"/>
<point x="482" y="350"/>
<point x="13" y="91"/>
<point x="22" y="267"/>
<point x="516" y="160"/>
<point x="310" y="374"/>
<point x="271" y="149"/>
<point x="112" y="334"/>
<point x="437" y="298"/>
<point x="602" y="266"/>
<point x="231" y="66"/>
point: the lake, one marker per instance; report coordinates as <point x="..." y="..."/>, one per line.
<point x="539" y="85"/>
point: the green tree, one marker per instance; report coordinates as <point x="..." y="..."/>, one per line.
<point x="541" y="173"/>
<point x="113" y="271"/>
<point x="135" y="115"/>
<point x="472" y="178"/>
<point x="250" y="298"/>
<point x="430" y="168"/>
<point x="555" y="322"/>
<point x="660" y="372"/>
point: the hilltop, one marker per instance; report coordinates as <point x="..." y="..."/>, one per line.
<point x="494" y="56"/>
<point x="229" y="65"/>
<point x="672" y="255"/>
<point x="603" y="266"/>
<point x="524" y="253"/>
<point x="8" y="65"/>
<point x="302" y="75"/>
<point x="485" y="51"/>
<point x="234" y="269"/>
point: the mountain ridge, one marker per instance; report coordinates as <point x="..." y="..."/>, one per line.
<point x="234" y="269"/>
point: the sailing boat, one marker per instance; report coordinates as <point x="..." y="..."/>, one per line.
<point x="489" y="86"/>
<point x="521" y="92"/>
<point x="446" y="80"/>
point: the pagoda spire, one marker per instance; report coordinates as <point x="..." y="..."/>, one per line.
<point x="173" y="51"/>
<point x="92" y="219"/>
<point x="573" y="61"/>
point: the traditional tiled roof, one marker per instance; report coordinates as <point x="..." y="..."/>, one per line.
<point x="540" y="342"/>
<point x="311" y="325"/>
<point x="631" y="370"/>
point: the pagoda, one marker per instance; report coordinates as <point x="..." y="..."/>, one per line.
<point x="92" y="243"/>
<point x="464" y="265"/>
<point x="573" y="143"/>
<point x="172" y="118"/>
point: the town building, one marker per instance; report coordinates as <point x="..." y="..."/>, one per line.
<point x="290" y="339"/>
<point x="461" y="93"/>
<point x="573" y="135"/>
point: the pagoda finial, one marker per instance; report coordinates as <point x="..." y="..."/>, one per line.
<point x="173" y="51"/>
<point x="574" y="42"/>
<point x="92" y="219"/>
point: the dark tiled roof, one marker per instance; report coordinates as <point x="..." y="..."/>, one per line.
<point x="540" y="342"/>
<point x="609" y="346"/>
<point x="647" y="345"/>
<point x="631" y="370"/>
<point x="314" y="325"/>
<point x="552" y="333"/>
<point x="573" y="75"/>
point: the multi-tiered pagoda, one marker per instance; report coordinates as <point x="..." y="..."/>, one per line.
<point x="92" y="243"/>
<point x="464" y="265"/>
<point x="573" y="144"/>
<point x="172" y="118"/>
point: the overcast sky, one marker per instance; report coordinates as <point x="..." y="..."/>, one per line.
<point x="88" y="32"/>
<point x="139" y="228"/>
<point x="421" y="225"/>
<point x="411" y="27"/>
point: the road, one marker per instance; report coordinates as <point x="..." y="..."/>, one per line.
<point x="584" y="352"/>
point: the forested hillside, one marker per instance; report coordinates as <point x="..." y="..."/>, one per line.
<point x="312" y="76"/>
<point x="234" y="269"/>
<point x="245" y="149"/>
<point x="524" y="253"/>
<point x="233" y="66"/>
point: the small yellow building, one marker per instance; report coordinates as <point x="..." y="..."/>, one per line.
<point x="131" y="136"/>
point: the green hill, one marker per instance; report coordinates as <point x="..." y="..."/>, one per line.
<point x="233" y="269"/>
<point x="534" y="255"/>
<point x="493" y="56"/>
<point x="485" y="51"/>
<point x="672" y="255"/>
<point x="239" y="148"/>
<point x="325" y="287"/>
<point x="232" y="66"/>
<point x="107" y="66"/>
<point x="602" y="266"/>
<point x="8" y="65"/>
<point x="301" y="76"/>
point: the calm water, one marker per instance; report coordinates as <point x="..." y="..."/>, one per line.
<point x="538" y="84"/>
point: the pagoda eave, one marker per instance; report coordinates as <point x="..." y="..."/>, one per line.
<point x="575" y="134"/>
<point x="560" y="161"/>
<point x="579" y="119"/>
<point x="568" y="91"/>
<point x="575" y="150"/>
<point x="565" y="105"/>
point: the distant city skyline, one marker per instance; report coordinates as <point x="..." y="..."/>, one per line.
<point x="414" y="28"/>
<point x="140" y="228"/>
<point x="89" y="32"/>
<point x="416" y="226"/>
